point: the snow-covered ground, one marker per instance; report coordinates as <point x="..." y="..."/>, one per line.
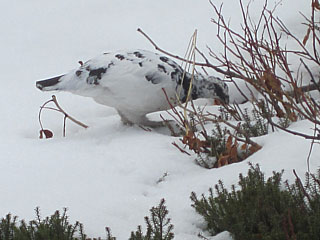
<point x="107" y="174"/>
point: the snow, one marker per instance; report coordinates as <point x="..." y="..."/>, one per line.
<point x="107" y="175"/>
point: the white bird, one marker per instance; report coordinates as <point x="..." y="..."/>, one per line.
<point x="136" y="83"/>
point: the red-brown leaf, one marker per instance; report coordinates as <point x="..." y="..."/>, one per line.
<point x="222" y="161"/>
<point x="316" y="4"/>
<point x="254" y="148"/>
<point x="45" y="132"/>
<point x="306" y="37"/>
<point x="229" y="144"/>
<point x="234" y="153"/>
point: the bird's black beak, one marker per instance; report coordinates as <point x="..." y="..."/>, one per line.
<point x="42" y="84"/>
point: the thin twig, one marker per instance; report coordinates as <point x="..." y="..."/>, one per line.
<point x="237" y="128"/>
<point x="181" y="150"/>
<point x="311" y="147"/>
<point x="58" y="109"/>
<point x="145" y="129"/>
<point x="207" y="64"/>
<point x="54" y="99"/>
<point x="64" y="125"/>
<point x="41" y="108"/>
<point x="315" y="85"/>
<point x="180" y="120"/>
<point x="301" y="186"/>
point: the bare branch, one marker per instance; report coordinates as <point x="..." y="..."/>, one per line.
<point x="54" y="99"/>
<point x="227" y="73"/>
<point x="58" y="109"/>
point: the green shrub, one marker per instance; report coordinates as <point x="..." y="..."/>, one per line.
<point x="55" y="227"/>
<point x="255" y="126"/>
<point x="158" y="225"/>
<point x="260" y="209"/>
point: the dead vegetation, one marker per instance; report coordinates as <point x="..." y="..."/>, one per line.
<point x="257" y="56"/>
<point x="46" y="133"/>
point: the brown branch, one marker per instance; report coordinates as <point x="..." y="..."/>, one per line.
<point x="54" y="99"/>
<point x="180" y="120"/>
<point x="228" y="73"/>
<point x="40" y="111"/>
<point x="64" y="125"/>
<point x="181" y="150"/>
<point x="207" y="64"/>
<point x="301" y="186"/>
<point x="237" y="128"/>
<point x="315" y="85"/>
<point x="311" y="147"/>
<point x="58" y="109"/>
<point x="306" y="136"/>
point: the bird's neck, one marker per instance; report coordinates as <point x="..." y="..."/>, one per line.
<point x="202" y="87"/>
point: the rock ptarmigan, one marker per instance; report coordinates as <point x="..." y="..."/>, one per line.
<point x="134" y="82"/>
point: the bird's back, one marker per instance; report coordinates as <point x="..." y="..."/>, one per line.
<point x="131" y="80"/>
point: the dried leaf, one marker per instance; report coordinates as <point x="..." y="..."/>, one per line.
<point x="254" y="148"/>
<point x="234" y="153"/>
<point x="291" y="114"/>
<point x="222" y="161"/>
<point x="272" y="83"/>
<point x="306" y="37"/>
<point x="316" y="4"/>
<point x="244" y="153"/>
<point x="216" y="102"/>
<point x="244" y="147"/>
<point x="229" y="144"/>
<point x="45" y="133"/>
<point x="193" y="142"/>
<point x="280" y="113"/>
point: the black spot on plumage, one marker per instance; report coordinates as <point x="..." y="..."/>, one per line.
<point x="120" y="57"/>
<point x="220" y="93"/>
<point x="183" y="86"/>
<point x="110" y="64"/>
<point x="97" y="72"/>
<point x="138" y="54"/>
<point x="186" y="84"/>
<point x="154" y="78"/>
<point x="164" y="59"/>
<point x="177" y="69"/>
<point x="95" y="75"/>
<point x="162" y="68"/>
<point x="170" y="63"/>
<point x="140" y="64"/>
<point x="174" y="66"/>
<point x="148" y="77"/>
<point x="176" y="76"/>
<point x="194" y="93"/>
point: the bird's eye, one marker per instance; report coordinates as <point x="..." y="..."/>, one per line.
<point x="78" y="73"/>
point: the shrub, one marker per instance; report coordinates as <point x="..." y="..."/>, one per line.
<point x="55" y="227"/>
<point x="158" y="225"/>
<point x="261" y="210"/>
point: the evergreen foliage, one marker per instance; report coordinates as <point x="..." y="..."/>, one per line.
<point x="261" y="210"/>
<point x="109" y="235"/>
<point x="158" y="225"/>
<point x="258" y="126"/>
<point x="55" y="227"/>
